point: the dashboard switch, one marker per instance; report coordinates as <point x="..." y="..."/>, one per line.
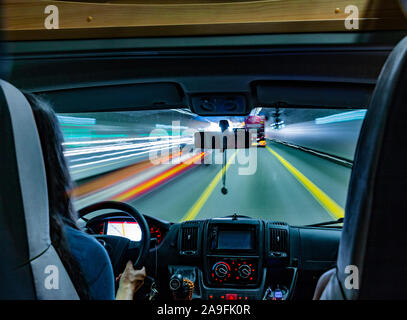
<point x="231" y="296"/>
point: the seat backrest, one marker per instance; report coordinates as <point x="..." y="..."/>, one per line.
<point x="374" y="236"/>
<point x="31" y="268"/>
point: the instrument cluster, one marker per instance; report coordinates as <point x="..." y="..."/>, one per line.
<point x="125" y="228"/>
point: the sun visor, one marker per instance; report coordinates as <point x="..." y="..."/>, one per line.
<point x="120" y="97"/>
<point x="313" y="94"/>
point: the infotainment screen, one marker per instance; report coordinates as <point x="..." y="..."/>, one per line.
<point x="128" y="229"/>
<point x="235" y="240"/>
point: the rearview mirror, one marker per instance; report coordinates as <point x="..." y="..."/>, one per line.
<point x="236" y="139"/>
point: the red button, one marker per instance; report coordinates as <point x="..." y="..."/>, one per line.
<point x="231" y="296"/>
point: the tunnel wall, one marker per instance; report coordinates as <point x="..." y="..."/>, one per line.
<point x="335" y="139"/>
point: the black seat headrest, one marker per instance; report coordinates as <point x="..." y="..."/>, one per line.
<point x="24" y="213"/>
<point x="374" y="232"/>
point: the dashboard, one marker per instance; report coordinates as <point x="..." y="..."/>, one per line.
<point x="231" y="258"/>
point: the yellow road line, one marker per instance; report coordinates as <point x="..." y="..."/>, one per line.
<point x="327" y="203"/>
<point x="193" y="212"/>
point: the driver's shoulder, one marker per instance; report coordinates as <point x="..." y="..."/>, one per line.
<point x="94" y="262"/>
<point x="85" y="247"/>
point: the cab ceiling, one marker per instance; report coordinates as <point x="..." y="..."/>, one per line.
<point x="262" y="68"/>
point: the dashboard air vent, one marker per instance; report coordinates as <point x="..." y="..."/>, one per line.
<point x="278" y="240"/>
<point x="189" y="240"/>
<point x="278" y="223"/>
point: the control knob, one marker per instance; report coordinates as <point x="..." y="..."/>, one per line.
<point x="221" y="269"/>
<point x="245" y="271"/>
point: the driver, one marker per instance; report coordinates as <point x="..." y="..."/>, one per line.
<point x="84" y="258"/>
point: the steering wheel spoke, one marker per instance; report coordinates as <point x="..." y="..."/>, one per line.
<point x="135" y="245"/>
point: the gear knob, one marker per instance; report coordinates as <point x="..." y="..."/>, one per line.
<point x="176" y="282"/>
<point x="182" y="288"/>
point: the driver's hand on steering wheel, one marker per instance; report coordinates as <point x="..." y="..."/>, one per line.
<point x="130" y="281"/>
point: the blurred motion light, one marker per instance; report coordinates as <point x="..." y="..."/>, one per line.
<point x="213" y="127"/>
<point x="278" y="125"/>
<point x="255" y="111"/>
<point x="237" y="125"/>
<point x="67" y="120"/>
<point x="342" y="117"/>
<point x="165" y="126"/>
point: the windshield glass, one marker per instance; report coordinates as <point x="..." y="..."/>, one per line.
<point x="297" y="170"/>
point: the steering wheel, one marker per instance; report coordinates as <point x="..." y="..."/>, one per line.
<point x="119" y="247"/>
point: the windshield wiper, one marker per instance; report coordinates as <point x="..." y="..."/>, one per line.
<point x="326" y="223"/>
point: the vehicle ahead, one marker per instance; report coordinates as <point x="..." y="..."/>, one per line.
<point x="143" y="191"/>
<point x="257" y="123"/>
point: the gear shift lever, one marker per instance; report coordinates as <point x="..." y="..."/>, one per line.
<point x="182" y="288"/>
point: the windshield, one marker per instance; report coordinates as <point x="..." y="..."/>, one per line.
<point x="297" y="170"/>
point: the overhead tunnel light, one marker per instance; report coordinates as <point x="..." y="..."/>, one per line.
<point x="342" y="117"/>
<point x="277" y="125"/>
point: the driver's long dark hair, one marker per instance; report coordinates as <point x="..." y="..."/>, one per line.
<point x="59" y="189"/>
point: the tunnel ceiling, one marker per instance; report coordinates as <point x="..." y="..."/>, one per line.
<point x="291" y="116"/>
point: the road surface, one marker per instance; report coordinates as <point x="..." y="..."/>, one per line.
<point x="288" y="185"/>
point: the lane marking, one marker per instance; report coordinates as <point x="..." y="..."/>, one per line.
<point x="197" y="206"/>
<point x="334" y="209"/>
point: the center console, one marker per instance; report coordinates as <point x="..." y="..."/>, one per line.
<point x="240" y="258"/>
<point x="232" y="252"/>
<point x="232" y="258"/>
